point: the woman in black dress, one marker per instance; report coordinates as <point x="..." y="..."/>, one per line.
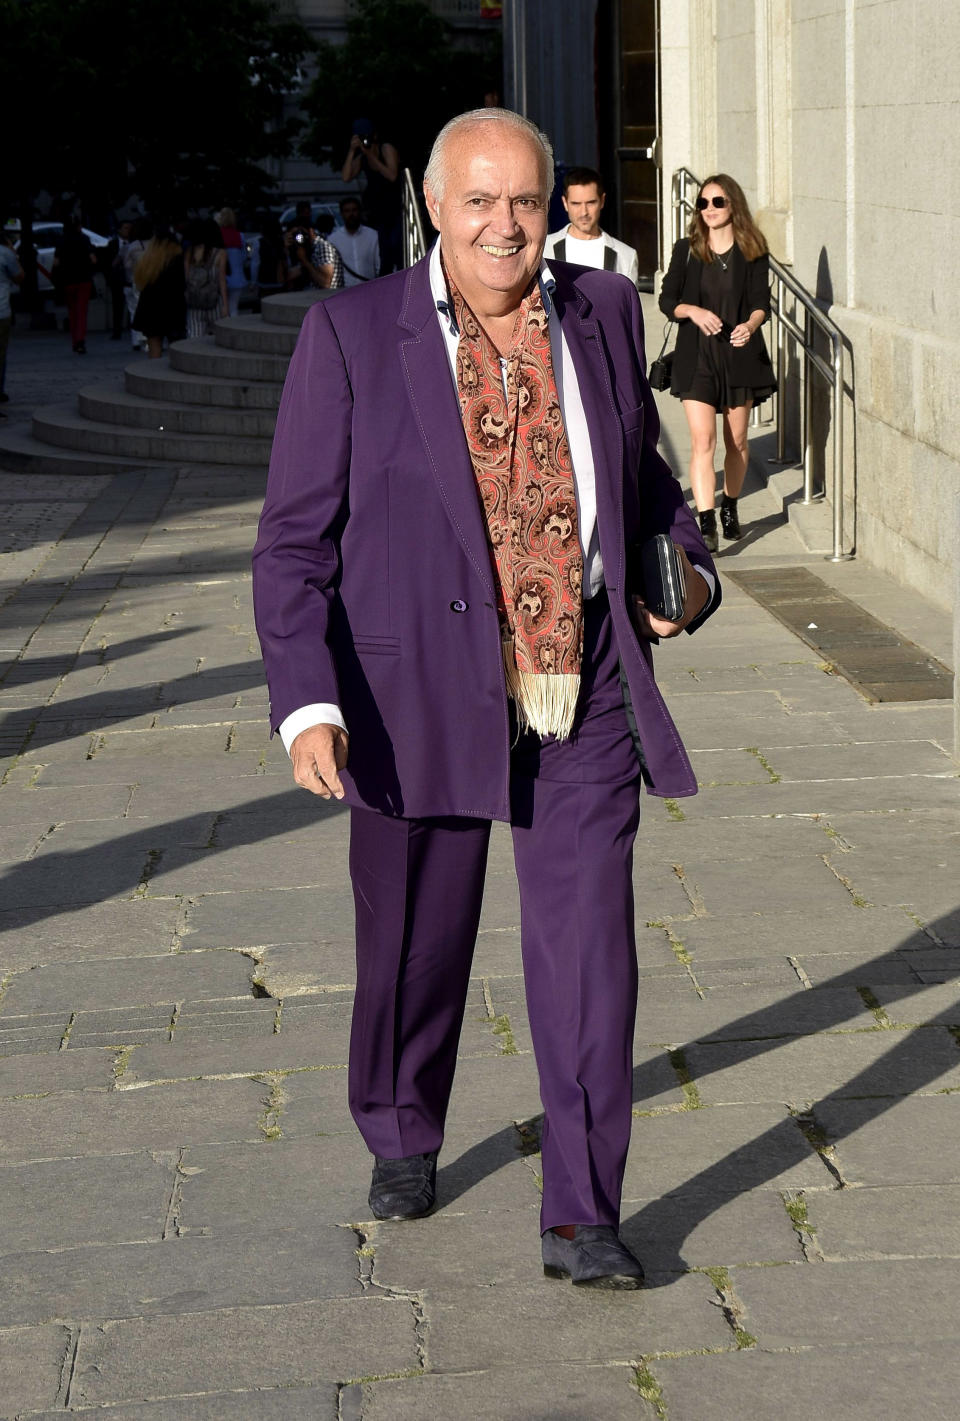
<point x="717" y="289"/>
<point x="160" y="278"/>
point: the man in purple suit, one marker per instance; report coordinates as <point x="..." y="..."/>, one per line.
<point x="464" y="454"/>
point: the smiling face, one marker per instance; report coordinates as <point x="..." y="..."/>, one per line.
<point x="584" y="204"/>
<point x="492" y="216"/>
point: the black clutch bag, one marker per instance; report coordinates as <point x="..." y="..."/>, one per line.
<point x="655" y="573"/>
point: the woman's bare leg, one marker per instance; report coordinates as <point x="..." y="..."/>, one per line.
<point x="702" y="421"/>
<point x="735" y="456"/>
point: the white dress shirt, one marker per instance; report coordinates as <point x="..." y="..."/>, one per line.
<point x="581" y="456"/>
<point x="359" y="251"/>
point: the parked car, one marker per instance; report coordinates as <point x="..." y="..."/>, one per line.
<point x="328" y="209"/>
<point x="45" y="237"/>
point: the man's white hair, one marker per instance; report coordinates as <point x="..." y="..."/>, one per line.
<point x="435" y="173"/>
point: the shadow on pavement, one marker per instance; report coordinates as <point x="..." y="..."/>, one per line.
<point x="58" y="881"/>
<point x="902" y="1071"/>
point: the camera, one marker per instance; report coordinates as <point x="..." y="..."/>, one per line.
<point x="365" y="142"/>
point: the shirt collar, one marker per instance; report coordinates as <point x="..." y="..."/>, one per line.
<point x="441" y="296"/>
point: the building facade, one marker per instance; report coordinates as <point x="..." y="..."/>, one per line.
<point x="839" y="118"/>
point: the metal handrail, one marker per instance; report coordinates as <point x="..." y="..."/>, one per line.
<point x="414" y="237"/>
<point x="804" y="338"/>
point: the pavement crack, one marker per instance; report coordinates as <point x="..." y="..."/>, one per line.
<point x="841" y="844"/>
<point x="500" y="1026"/>
<point x="858" y="900"/>
<point x="173" y="1222"/>
<point x="732" y="1307"/>
<point x="68" y="1367"/>
<point x="121" y="1060"/>
<point x="875" y="1007"/>
<point x="688" y="1086"/>
<point x="268" y="1121"/>
<point x="650" y="1389"/>
<point x="691" y="890"/>
<point x="761" y="759"/>
<point x="818" y="1140"/>
<point x="150" y="866"/>
<point x="795" y="1203"/>
<point x="366" y="1255"/>
<point x="65" y="1038"/>
<point x="42" y="838"/>
<point x="801" y="974"/>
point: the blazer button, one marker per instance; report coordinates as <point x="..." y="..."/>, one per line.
<point x="459" y="605"/>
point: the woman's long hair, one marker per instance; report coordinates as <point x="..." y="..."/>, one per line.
<point x="160" y="251"/>
<point x="746" y="233"/>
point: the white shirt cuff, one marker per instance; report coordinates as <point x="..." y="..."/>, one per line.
<point x="320" y="713"/>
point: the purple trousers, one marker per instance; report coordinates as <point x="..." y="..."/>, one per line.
<point x="418" y="885"/>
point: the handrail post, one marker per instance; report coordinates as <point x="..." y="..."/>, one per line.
<point x="838" y="554"/>
<point x="807" y="411"/>
<point x="781" y="371"/>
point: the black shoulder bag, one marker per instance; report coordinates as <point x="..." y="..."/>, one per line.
<point x="661" y="371"/>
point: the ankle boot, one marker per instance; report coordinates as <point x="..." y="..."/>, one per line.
<point x="729" y="521"/>
<point x="708" y="529"/>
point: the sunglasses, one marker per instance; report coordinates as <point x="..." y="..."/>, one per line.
<point x="703" y="203"/>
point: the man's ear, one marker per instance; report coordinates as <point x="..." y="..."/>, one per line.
<point x="566" y="207"/>
<point x="603" y="198"/>
<point x="433" y="206"/>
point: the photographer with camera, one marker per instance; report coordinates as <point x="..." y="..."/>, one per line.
<point x="309" y="258"/>
<point x="380" y="164"/>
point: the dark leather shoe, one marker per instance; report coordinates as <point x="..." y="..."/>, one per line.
<point x="708" y="529"/>
<point x="593" y="1258"/>
<point x="404" y="1188"/>
<point x="729" y="521"/>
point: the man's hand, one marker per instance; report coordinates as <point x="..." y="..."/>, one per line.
<point x="697" y="594"/>
<point x="317" y="755"/>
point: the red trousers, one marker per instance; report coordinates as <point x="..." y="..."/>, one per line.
<point x="78" y="299"/>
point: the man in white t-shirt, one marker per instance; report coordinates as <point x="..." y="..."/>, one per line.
<point x="582" y="241"/>
<point x="359" y="246"/>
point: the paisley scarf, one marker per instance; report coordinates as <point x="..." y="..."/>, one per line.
<point x="521" y="459"/>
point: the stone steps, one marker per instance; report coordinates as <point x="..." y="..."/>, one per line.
<point x="65" y="427"/>
<point x="202" y="357"/>
<point x="159" y="380"/>
<point x="253" y="333"/>
<point x="211" y="402"/>
<point x="102" y="403"/>
<point x="21" y="450"/>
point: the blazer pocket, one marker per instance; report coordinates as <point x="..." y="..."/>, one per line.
<point x="376" y="645"/>
<point x="632" y="419"/>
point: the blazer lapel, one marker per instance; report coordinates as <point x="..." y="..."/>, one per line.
<point x="430" y="387"/>
<point x="585" y="341"/>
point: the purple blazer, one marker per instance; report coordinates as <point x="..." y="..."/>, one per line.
<point x="372" y="576"/>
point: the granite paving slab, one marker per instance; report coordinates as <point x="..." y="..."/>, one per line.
<point x="556" y="1393"/>
<point x="178" y="1276"/>
<point x="906" y="1221"/>
<point x="894" y="1302"/>
<point x="244" y="1347"/>
<point x="857" y="1381"/>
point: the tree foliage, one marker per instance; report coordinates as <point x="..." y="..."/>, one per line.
<point x="399" y="67"/>
<point x="178" y="101"/>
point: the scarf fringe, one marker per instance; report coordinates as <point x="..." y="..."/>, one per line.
<point x="545" y="704"/>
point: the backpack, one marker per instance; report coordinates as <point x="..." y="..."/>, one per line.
<point x="203" y="285"/>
